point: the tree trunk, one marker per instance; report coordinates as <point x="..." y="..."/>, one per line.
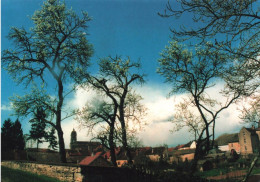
<point x="213" y="134"/>
<point x="61" y="145"/>
<point x="37" y="145"/>
<point x="58" y="123"/>
<point x="112" y="145"/>
<point x="207" y="138"/>
<point x="125" y="145"/>
<point x="198" y="153"/>
<point x="123" y="128"/>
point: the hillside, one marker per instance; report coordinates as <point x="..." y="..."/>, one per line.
<point x="226" y="138"/>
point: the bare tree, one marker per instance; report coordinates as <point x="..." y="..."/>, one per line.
<point x="114" y="82"/>
<point x="251" y="112"/>
<point x="184" y="117"/>
<point x="232" y="26"/>
<point x="194" y="73"/>
<point x="51" y="52"/>
<point x="94" y="115"/>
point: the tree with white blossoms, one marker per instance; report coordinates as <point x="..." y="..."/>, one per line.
<point x="232" y="26"/>
<point x="119" y="101"/>
<point x="50" y="52"/>
<point x="193" y="73"/>
<point x="184" y="117"/>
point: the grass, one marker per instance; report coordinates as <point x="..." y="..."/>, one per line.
<point x="216" y="172"/>
<point x="255" y="171"/>
<point x="14" y="175"/>
<point x="212" y="172"/>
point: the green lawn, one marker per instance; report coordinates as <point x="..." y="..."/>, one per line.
<point x="216" y="172"/>
<point x="13" y="175"/>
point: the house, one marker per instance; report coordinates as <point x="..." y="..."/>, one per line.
<point x="193" y="145"/>
<point x="121" y="158"/>
<point x="95" y="160"/>
<point x="235" y="146"/>
<point x="156" y="154"/>
<point x="227" y="142"/>
<point x="75" y="156"/>
<point x="182" y="155"/>
<point x="248" y="140"/>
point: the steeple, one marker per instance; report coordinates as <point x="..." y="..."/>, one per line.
<point x="73" y="137"/>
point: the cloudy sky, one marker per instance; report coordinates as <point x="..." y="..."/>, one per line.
<point x="126" y="28"/>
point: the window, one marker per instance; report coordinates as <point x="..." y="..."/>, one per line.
<point x="245" y="148"/>
<point x="244" y="140"/>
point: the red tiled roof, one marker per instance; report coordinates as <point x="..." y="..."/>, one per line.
<point x="170" y="149"/>
<point x="89" y="159"/>
<point x="179" y="146"/>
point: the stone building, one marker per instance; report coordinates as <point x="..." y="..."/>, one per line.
<point x="235" y="146"/>
<point x="82" y="145"/>
<point x="248" y="140"/>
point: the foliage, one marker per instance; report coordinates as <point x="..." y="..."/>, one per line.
<point x="251" y="113"/>
<point x="233" y="26"/>
<point x="52" y="139"/>
<point x="183" y="117"/>
<point x="15" y="175"/>
<point x="51" y="51"/>
<point x="38" y="126"/>
<point x="57" y="38"/>
<point x="193" y="73"/>
<point x="95" y="115"/>
<point x="39" y="131"/>
<point x="119" y="101"/>
<point x="12" y="135"/>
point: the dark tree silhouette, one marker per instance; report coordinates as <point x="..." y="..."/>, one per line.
<point x="12" y="135"/>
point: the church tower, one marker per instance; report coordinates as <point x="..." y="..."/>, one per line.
<point x="73" y="138"/>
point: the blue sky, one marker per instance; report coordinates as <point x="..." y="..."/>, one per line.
<point x="126" y="28"/>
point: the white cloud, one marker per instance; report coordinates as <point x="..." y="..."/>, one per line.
<point x="160" y="108"/>
<point x="6" y="107"/>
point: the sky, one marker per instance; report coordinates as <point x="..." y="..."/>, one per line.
<point x="125" y="28"/>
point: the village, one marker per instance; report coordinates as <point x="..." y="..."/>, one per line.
<point x="144" y="91"/>
<point x="234" y="151"/>
<point x="92" y="153"/>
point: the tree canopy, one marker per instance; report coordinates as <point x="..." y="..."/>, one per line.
<point x="193" y="72"/>
<point x="232" y="27"/>
<point x="51" y="51"/>
<point x="119" y="103"/>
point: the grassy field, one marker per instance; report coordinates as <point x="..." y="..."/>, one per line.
<point x="12" y="175"/>
<point x="216" y="172"/>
